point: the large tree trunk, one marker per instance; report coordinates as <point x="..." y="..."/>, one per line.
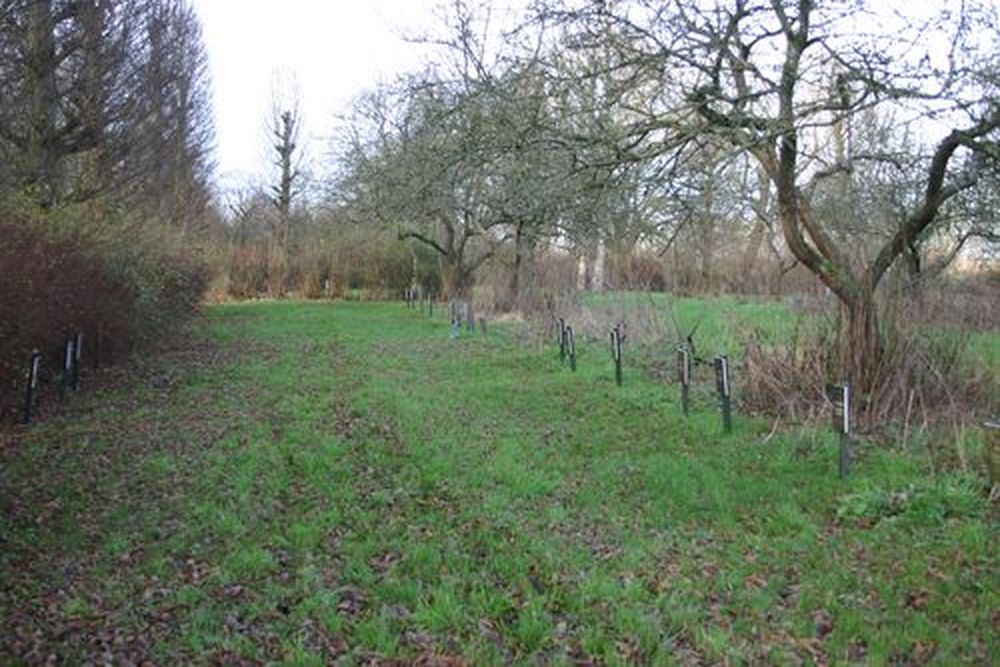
<point x="597" y="282"/>
<point x="41" y="62"/>
<point x="581" y="273"/>
<point x="861" y="344"/>
<point x="514" y="290"/>
<point x="454" y="277"/>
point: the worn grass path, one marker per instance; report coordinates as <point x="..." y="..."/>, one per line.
<point x="312" y="483"/>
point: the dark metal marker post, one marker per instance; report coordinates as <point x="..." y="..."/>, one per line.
<point x="723" y="386"/>
<point x="29" y="397"/>
<point x="77" y="353"/>
<point x="571" y="348"/>
<point x="67" y="374"/>
<point x="561" y="336"/>
<point x="456" y="321"/>
<point x="840" y="396"/>
<point x="616" y="352"/>
<point x="684" y="377"/>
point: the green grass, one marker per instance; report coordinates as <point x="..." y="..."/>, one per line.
<point x="304" y="483"/>
<point x="719" y="324"/>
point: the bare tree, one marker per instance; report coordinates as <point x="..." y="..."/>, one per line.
<point x="106" y="99"/>
<point x="175" y="136"/>
<point x="284" y="130"/>
<point x="755" y="75"/>
<point x="65" y="93"/>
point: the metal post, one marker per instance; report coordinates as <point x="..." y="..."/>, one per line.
<point x="684" y="377"/>
<point x="840" y="396"/>
<point x="67" y="370"/>
<point x="723" y="382"/>
<point x="456" y="322"/>
<point x="561" y="336"/>
<point x="29" y="397"/>
<point x="571" y="348"/>
<point x="616" y="352"/>
<point x="77" y="353"/>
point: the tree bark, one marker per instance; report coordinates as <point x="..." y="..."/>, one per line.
<point x="597" y="282"/>
<point x="454" y="276"/>
<point x="862" y="350"/>
<point x="41" y="153"/>
<point x="514" y="289"/>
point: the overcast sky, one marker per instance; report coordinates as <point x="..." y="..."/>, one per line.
<point x="333" y="48"/>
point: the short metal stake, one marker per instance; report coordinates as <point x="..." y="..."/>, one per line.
<point x="616" y="352"/>
<point x="77" y="353"/>
<point x="67" y="374"/>
<point x="571" y="348"/>
<point x="724" y="388"/>
<point x="840" y="396"/>
<point x="684" y="377"/>
<point x="561" y="337"/>
<point x="29" y="395"/>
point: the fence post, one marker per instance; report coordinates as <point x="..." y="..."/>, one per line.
<point x="77" y="354"/>
<point x="29" y="397"/>
<point x="616" y="352"/>
<point x="840" y="396"/>
<point x="561" y="336"/>
<point x="684" y="377"/>
<point x="67" y="370"/>
<point x="723" y="384"/>
<point x="571" y="348"/>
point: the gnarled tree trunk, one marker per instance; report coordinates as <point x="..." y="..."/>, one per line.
<point x="455" y="277"/>
<point x="861" y="348"/>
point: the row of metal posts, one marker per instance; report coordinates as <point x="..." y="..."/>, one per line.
<point x="70" y="379"/>
<point x="839" y="394"/>
<point x="459" y="311"/>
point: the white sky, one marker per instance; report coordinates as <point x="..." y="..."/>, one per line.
<point x="334" y="49"/>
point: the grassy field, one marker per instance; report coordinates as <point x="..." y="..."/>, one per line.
<point x="313" y="483"/>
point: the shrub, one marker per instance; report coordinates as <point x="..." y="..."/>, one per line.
<point x="637" y="270"/>
<point x="58" y="283"/>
